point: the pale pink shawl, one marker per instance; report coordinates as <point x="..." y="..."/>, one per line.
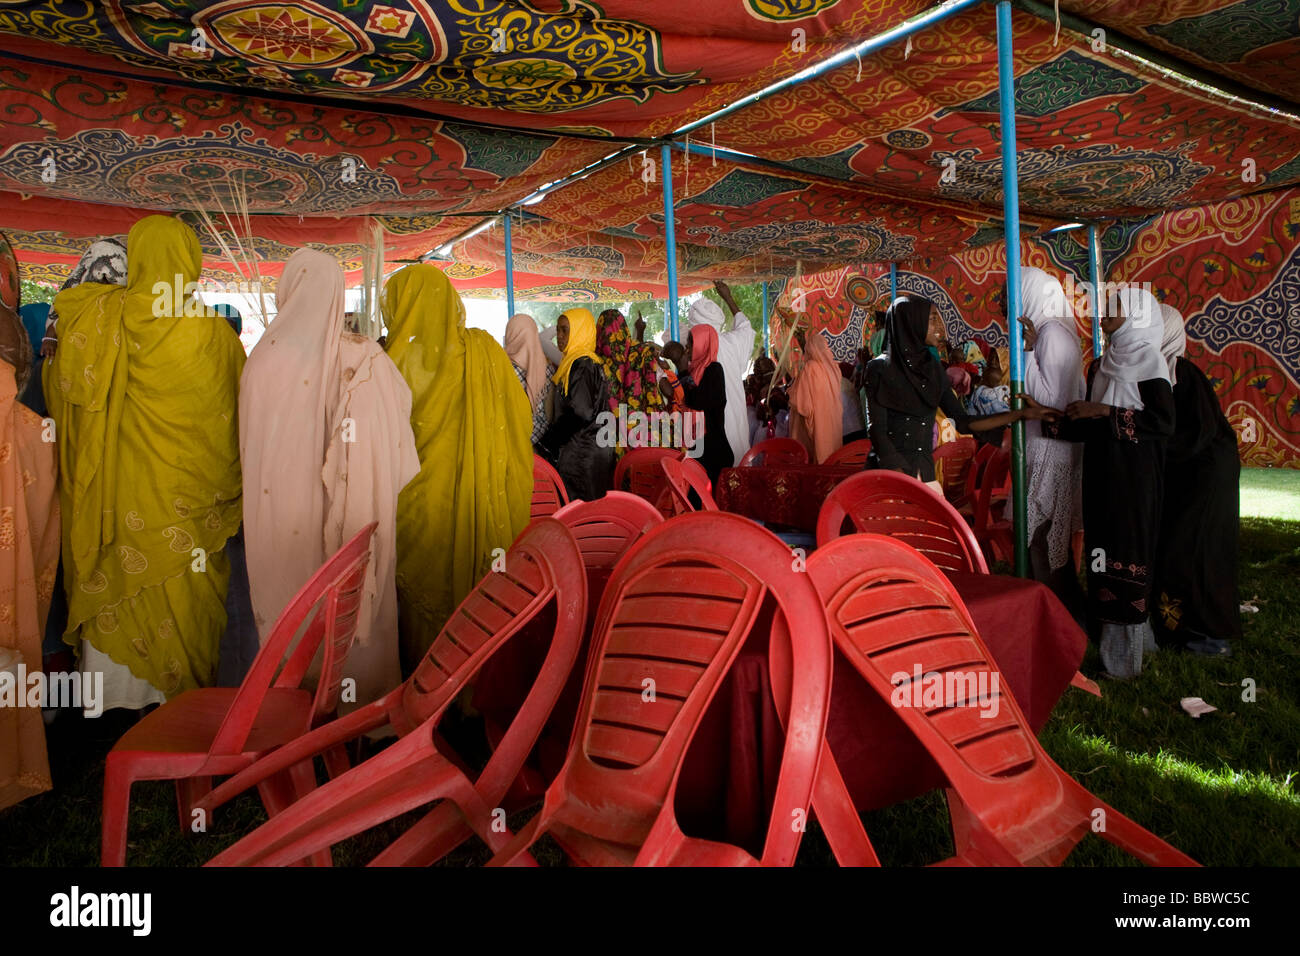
<point x="817" y="418"/>
<point x="326" y="445"/>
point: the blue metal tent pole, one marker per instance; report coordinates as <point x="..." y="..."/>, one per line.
<point x="510" y="270"/>
<point x="765" y="326"/>
<point x="893" y="282"/>
<point x="1094" y="266"/>
<point x="1011" y="215"/>
<point x="670" y="240"/>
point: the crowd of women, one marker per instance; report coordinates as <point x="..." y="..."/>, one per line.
<point x="168" y="497"/>
<point x="1137" y="453"/>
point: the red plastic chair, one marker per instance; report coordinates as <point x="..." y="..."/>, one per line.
<point x="775" y="451"/>
<point x="993" y="530"/>
<point x="974" y="473"/>
<point x="678" y="610"/>
<point x="895" y="504"/>
<point x="684" y="477"/>
<point x="891" y="612"/>
<point x="956" y="458"/>
<point x="854" y="453"/>
<point x="605" y="529"/>
<point x="543" y="568"/>
<point x="549" y="495"/>
<point x="212" y="731"/>
<point x="638" y="472"/>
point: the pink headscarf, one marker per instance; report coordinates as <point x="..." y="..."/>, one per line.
<point x="524" y="346"/>
<point x="818" y="419"/>
<point x="704" y="349"/>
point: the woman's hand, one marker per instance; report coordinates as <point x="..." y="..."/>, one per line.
<point x="1033" y="411"/>
<point x="1029" y="332"/>
<point x="48" y="345"/>
<point x="1082" y="409"/>
<point x="639" y="327"/>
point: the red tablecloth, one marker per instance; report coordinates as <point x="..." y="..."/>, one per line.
<point x="788" y="495"/>
<point x="730" y="775"/>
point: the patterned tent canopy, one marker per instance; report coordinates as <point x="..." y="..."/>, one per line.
<point x="422" y="117"/>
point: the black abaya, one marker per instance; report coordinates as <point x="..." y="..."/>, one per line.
<point x="1196" y="565"/>
<point x="571" y="441"/>
<point x="1123" y="486"/>
<point x="710" y="397"/>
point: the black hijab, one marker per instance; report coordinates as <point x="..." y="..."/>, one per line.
<point x="907" y="377"/>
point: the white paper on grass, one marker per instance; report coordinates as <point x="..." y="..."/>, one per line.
<point x="1197" y="707"/>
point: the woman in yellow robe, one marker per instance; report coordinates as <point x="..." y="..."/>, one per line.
<point x="144" y="392"/>
<point x="473" y="427"/>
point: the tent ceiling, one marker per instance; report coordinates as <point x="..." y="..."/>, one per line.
<point x="335" y="113"/>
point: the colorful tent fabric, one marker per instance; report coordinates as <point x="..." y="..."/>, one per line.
<point x="1231" y="268"/>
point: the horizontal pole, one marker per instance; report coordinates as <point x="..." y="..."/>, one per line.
<point x="871" y="45"/>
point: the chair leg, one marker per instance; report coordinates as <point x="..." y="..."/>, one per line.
<point x="336" y="761"/>
<point x="117" y="807"/>
<point x="189" y="791"/>
<point x="303" y="777"/>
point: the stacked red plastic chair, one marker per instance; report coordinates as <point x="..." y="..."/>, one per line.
<point x="638" y="472"/>
<point x="993" y="530"/>
<point x="684" y="477"/>
<point x="953" y="458"/>
<point x="213" y="731"/>
<point x="892" y="503"/>
<point x="854" y="453"/>
<point x="893" y="614"/>
<point x="549" y="495"/>
<point x="676" y="613"/>
<point x="543" y="568"/>
<point x="775" y="451"/>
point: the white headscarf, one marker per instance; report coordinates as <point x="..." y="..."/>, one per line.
<point x="1174" y="343"/>
<point x="1133" y="353"/>
<point x="1043" y="300"/>
<point x="1054" y="369"/>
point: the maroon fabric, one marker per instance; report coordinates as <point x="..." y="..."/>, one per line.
<point x="1035" y="643"/>
<point x="789" y="495"/>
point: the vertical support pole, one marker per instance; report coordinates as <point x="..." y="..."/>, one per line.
<point x="1098" y="300"/>
<point x="670" y="241"/>
<point x="893" y="282"/>
<point x="765" y="322"/>
<point x="510" y="270"/>
<point x="1011" y="215"/>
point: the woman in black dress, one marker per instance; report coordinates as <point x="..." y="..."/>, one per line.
<point x="704" y="388"/>
<point x="907" y="385"/>
<point x="1197" y="606"/>
<point x="1123" y="425"/>
<point x="571" y="442"/>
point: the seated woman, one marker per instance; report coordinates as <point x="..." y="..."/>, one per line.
<point x="1196" y="561"/>
<point x="572" y="442"/>
<point x="1124" y="426"/>
<point x="907" y="385"/>
<point x="471" y="422"/>
<point x="326" y="446"/>
<point x="524" y="346"/>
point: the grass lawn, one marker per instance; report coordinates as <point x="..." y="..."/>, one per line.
<point x="1224" y="788"/>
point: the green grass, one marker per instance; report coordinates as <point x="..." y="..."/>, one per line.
<point x="1224" y="788"/>
<point x="1270" y="493"/>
